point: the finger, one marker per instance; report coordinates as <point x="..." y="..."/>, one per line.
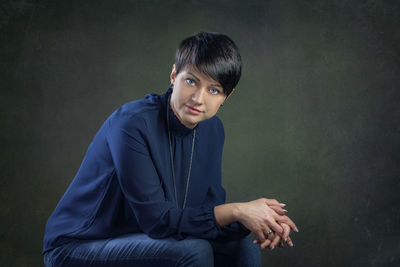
<point x="286" y="231"/>
<point x="288" y="221"/>
<point x="275" y="227"/>
<point x="260" y="235"/>
<point x="265" y="244"/>
<point x="289" y="242"/>
<point x="268" y="233"/>
<point x="274" y="202"/>
<point x="279" y="210"/>
<point x="271" y="237"/>
<point x="276" y="240"/>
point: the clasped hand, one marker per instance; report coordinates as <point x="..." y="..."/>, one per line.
<point x="267" y="219"/>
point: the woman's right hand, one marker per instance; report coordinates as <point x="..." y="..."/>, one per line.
<point x="262" y="216"/>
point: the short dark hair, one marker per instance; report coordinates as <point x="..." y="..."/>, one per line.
<point x="213" y="54"/>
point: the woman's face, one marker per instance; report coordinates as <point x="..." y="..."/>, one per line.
<point x="195" y="96"/>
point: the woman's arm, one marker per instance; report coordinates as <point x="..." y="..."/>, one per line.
<point x="142" y="188"/>
<point x="259" y="216"/>
<point x="226" y="213"/>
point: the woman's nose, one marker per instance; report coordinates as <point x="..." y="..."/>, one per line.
<point x="198" y="96"/>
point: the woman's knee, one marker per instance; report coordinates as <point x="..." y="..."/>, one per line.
<point x="196" y="252"/>
<point x="250" y="253"/>
<point x="241" y="252"/>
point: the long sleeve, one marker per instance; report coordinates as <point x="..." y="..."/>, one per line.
<point x="216" y="196"/>
<point x="141" y="186"/>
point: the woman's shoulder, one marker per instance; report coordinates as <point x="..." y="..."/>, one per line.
<point x="137" y="111"/>
<point x="150" y="103"/>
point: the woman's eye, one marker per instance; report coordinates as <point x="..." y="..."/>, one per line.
<point x="190" y="81"/>
<point x="214" y="91"/>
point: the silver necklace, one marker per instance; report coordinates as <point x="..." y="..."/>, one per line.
<point x="172" y="161"/>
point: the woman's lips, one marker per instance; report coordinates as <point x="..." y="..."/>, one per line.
<point x="192" y="110"/>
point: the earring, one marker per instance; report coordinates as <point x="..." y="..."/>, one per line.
<point x="171" y="85"/>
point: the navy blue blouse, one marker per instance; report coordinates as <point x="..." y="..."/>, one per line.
<point x="124" y="184"/>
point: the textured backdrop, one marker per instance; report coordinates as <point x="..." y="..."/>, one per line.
<point x="314" y="121"/>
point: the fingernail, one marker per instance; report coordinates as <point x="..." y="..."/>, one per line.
<point x="285" y="210"/>
<point x="297" y="230"/>
<point x="291" y="244"/>
<point x="283" y="204"/>
<point x="272" y="247"/>
<point x="254" y="241"/>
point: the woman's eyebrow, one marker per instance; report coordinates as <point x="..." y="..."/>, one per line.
<point x="199" y="79"/>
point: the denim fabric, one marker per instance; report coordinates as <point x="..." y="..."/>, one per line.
<point x="141" y="250"/>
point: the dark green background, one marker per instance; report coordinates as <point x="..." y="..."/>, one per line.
<point x="314" y="122"/>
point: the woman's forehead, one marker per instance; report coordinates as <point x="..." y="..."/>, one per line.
<point x="198" y="74"/>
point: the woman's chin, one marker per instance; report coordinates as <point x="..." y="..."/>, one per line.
<point x="190" y="122"/>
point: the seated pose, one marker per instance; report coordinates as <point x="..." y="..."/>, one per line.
<point x="149" y="192"/>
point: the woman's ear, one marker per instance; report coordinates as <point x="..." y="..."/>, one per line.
<point x="173" y="74"/>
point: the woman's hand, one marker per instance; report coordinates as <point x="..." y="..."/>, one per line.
<point x="274" y="239"/>
<point x="262" y="216"/>
<point x="283" y="219"/>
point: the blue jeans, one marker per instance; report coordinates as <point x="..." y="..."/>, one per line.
<point x="141" y="250"/>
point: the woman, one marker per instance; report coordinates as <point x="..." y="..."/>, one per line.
<point x="149" y="193"/>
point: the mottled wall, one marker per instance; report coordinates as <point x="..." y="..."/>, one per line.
<point x="314" y="122"/>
